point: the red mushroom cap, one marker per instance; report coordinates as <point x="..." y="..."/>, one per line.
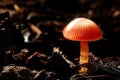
<point x="82" y="29"/>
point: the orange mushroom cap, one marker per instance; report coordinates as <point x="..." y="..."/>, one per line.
<point x="82" y="29"/>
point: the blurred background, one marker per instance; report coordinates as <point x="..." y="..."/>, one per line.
<point x="31" y="36"/>
<point x="38" y="24"/>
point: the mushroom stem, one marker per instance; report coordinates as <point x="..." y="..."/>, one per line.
<point x="84" y="49"/>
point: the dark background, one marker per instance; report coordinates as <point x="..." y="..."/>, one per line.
<point x="106" y="13"/>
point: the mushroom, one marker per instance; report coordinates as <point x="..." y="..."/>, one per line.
<point x="83" y="30"/>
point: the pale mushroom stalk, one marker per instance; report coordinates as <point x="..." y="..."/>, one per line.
<point x="84" y="50"/>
